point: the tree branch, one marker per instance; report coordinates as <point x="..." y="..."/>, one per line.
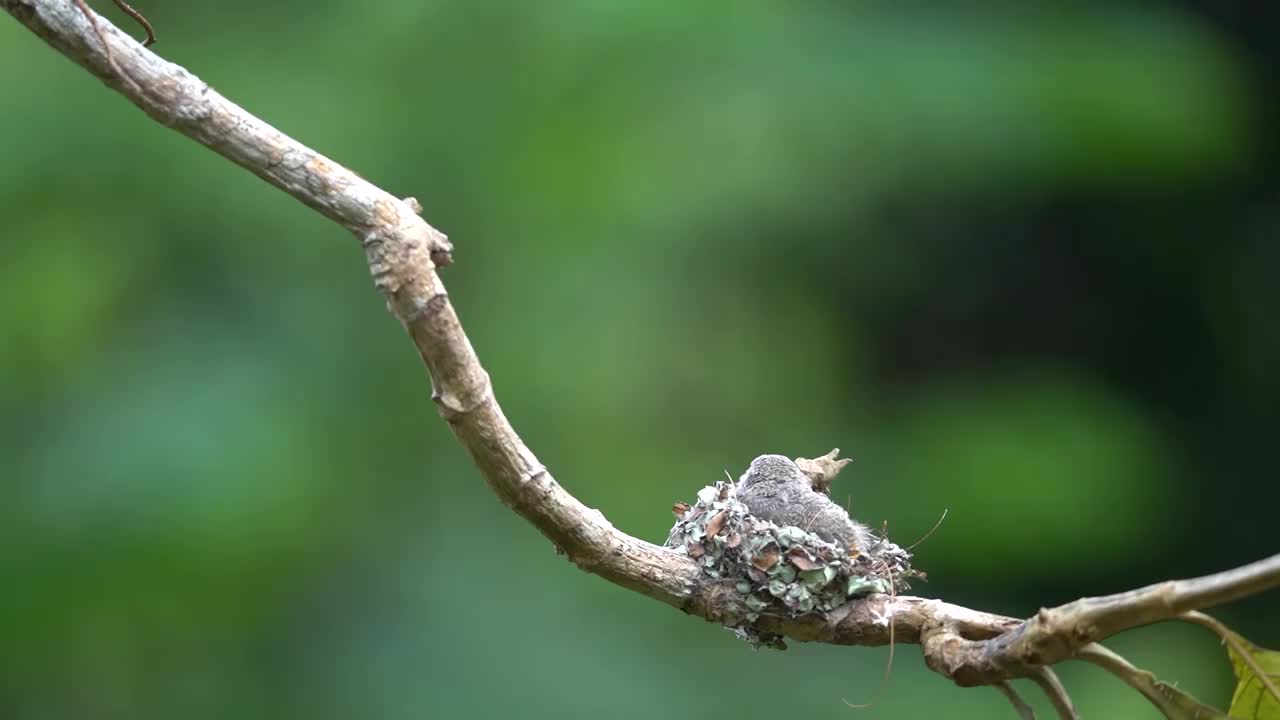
<point x="1170" y="702"/>
<point x="1020" y="706"/>
<point x="403" y="254"/>
<point x="1054" y="635"/>
<point x="1048" y="681"/>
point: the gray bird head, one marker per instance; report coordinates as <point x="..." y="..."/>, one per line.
<point x="771" y="468"/>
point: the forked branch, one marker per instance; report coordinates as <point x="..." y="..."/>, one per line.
<point x="403" y="254"/>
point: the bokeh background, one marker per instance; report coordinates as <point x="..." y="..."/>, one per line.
<point x="1019" y="260"/>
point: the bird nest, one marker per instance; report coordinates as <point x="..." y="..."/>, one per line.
<point x="780" y="571"/>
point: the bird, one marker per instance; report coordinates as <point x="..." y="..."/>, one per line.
<point x="775" y="489"/>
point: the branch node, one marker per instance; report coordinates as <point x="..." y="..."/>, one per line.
<point x="441" y="248"/>
<point x="459" y="403"/>
<point x="426" y="311"/>
<point x="530" y="476"/>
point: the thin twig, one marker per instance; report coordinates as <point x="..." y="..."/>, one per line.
<point x="1233" y="640"/>
<point x="1048" y="681"/>
<point x="888" y="665"/>
<point x="102" y="39"/>
<point x="140" y="19"/>
<point x="1023" y="709"/>
<point x="1173" y="704"/>
<point x="931" y="531"/>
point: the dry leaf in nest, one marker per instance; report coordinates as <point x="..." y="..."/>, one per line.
<point x="716" y="523"/>
<point x="800" y="557"/>
<point x="766" y="558"/>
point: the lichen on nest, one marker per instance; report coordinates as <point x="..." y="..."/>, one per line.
<point x="780" y="570"/>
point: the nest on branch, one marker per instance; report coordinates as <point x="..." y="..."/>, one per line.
<point x="783" y="571"/>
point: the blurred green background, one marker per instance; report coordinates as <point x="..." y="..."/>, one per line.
<point x="1019" y="260"/>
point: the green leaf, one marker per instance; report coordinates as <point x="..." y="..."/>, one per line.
<point x="790" y="535"/>
<point x="864" y="585"/>
<point x="817" y="579"/>
<point x="1252" y="700"/>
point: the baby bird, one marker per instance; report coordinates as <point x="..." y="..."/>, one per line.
<point x="773" y="488"/>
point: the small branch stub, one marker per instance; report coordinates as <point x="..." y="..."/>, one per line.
<point x="822" y="470"/>
<point x="724" y="561"/>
